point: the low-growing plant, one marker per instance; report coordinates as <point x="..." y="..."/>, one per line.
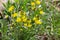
<point x="24" y="19"/>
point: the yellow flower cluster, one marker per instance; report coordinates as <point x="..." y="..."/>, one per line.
<point x="21" y="16"/>
<point x="38" y="2"/>
<point x="33" y="4"/>
<point x="14" y="14"/>
<point x="18" y="19"/>
<point x="27" y="25"/>
<point x="11" y="8"/>
<point x="37" y="21"/>
<point x="41" y="12"/>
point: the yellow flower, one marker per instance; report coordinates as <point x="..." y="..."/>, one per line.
<point x="35" y="18"/>
<point x="41" y="12"/>
<point x="24" y="20"/>
<point x="29" y="21"/>
<point x="11" y="8"/>
<point x="32" y="3"/>
<point x="38" y="21"/>
<point x="29" y="25"/>
<point x="38" y="2"/>
<point x="18" y="19"/>
<point x="22" y="13"/>
<point x="23" y="17"/>
<point x="14" y="15"/>
<point x="6" y="16"/>
<point x="25" y="24"/>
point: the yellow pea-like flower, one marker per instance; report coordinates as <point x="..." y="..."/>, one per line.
<point x="38" y="21"/>
<point x="29" y="25"/>
<point x="24" y="20"/>
<point x="22" y="13"/>
<point x="35" y="18"/>
<point x="25" y="24"/>
<point x="41" y="12"/>
<point x="14" y="15"/>
<point x="23" y="17"/>
<point x="38" y="2"/>
<point x="18" y="19"/>
<point x="32" y="3"/>
<point x="29" y="21"/>
<point x="11" y="8"/>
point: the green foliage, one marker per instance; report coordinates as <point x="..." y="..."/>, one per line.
<point x="11" y="30"/>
